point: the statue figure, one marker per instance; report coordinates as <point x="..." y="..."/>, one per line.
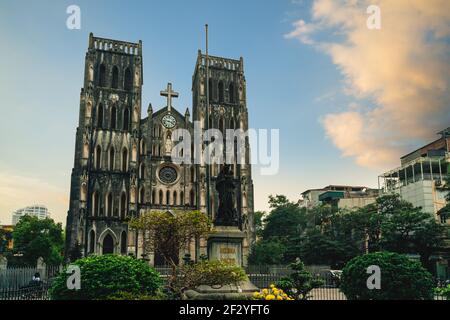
<point x="168" y="144"/>
<point x="227" y="214"/>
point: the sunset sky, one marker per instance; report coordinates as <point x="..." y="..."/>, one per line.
<point x="348" y="101"/>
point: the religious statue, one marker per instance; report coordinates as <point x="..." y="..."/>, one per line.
<point x="227" y="214"/>
<point x="169" y="144"/>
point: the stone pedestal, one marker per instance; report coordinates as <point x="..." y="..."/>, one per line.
<point x="243" y="291"/>
<point x="225" y="244"/>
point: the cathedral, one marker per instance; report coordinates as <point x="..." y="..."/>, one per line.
<point x="123" y="164"/>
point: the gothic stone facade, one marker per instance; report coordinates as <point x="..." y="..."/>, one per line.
<point x="122" y="165"/>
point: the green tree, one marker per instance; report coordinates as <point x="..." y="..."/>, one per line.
<point x="36" y="238"/>
<point x="285" y="220"/>
<point x="168" y="233"/>
<point x="259" y="222"/>
<point x="401" y="278"/>
<point x="267" y="252"/>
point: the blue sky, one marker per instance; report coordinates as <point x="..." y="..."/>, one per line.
<point x="290" y="86"/>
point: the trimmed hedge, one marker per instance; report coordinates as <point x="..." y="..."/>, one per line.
<point x="401" y="278"/>
<point x="106" y="276"/>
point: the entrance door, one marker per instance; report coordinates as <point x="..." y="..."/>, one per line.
<point x="108" y="244"/>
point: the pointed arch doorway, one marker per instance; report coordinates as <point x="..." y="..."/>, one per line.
<point x="108" y="245"/>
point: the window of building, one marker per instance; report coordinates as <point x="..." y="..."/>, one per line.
<point x="126" y="119"/>
<point x="98" y="157"/>
<point x="115" y="78"/>
<point x="100" y="116"/>
<point x="111" y="158"/>
<point x="102" y="76"/>
<point x="125" y="160"/>
<point x="128" y="80"/>
<point x="231" y="92"/>
<point x="123" y="205"/>
<point x="113" y="118"/>
<point x="221" y="92"/>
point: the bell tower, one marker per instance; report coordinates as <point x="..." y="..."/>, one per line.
<point x="226" y="88"/>
<point x="104" y="182"/>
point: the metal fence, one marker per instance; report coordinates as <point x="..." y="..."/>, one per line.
<point x="17" y="283"/>
<point x="264" y="276"/>
<point x="31" y="292"/>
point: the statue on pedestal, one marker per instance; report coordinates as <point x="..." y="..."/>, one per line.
<point x="227" y="214"/>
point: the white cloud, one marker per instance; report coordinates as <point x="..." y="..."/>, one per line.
<point x="403" y="69"/>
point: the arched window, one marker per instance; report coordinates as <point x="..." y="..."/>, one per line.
<point x="210" y="122"/>
<point x="192" y="174"/>
<point x="221" y="92"/>
<point x="123" y="243"/>
<point x="112" y="155"/>
<point x="98" y="157"/>
<point x="232" y="124"/>
<point x="95" y="204"/>
<point x="142" y="195"/>
<point x="92" y="241"/>
<point x="126" y="119"/>
<point x="102" y="76"/>
<point x="231" y="92"/>
<point x="182" y="198"/>
<point x="192" y="198"/>
<point x="113" y="118"/>
<point x="167" y="197"/>
<point x="143" y="148"/>
<point x="109" y="205"/>
<point x="100" y="116"/>
<point x="211" y="91"/>
<point x="161" y="197"/>
<point x="123" y="205"/>
<point x="153" y="197"/>
<point x="115" y="78"/>
<point x="125" y="160"/>
<point x="128" y="80"/>
<point x="175" y="200"/>
<point x="142" y="171"/>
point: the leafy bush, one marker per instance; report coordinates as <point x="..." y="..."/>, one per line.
<point x="108" y="275"/>
<point x="401" y="278"/>
<point x="123" y="295"/>
<point x="212" y="273"/>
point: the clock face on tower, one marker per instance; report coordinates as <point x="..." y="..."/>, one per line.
<point x="169" y="121"/>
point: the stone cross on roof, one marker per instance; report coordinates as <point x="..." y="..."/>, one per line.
<point x="169" y="93"/>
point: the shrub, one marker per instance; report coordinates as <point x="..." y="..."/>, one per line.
<point x="300" y="283"/>
<point x="108" y="275"/>
<point x="123" y="295"/>
<point x="401" y="278"/>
